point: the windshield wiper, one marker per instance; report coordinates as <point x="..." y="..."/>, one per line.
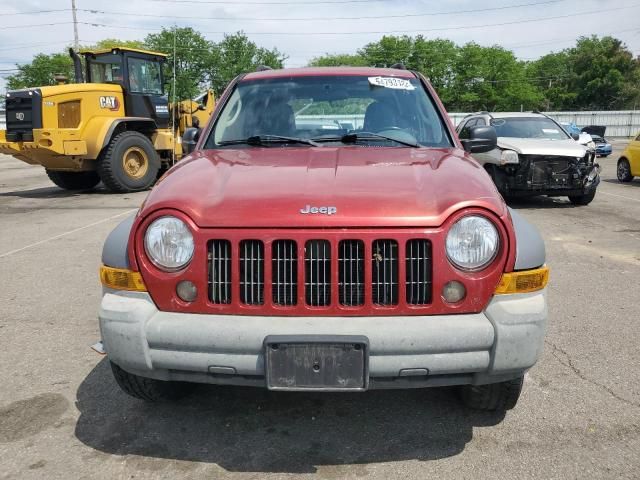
<point x="355" y="136"/>
<point x="261" y="140"/>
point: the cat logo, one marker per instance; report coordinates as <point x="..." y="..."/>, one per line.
<point x="109" y="102"/>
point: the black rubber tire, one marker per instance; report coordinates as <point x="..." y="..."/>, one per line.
<point x="582" y="200"/>
<point x="149" y="389"/>
<point x="623" y="171"/>
<point x="493" y="397"/>
<point x="74" y="180"/>
<point x="111" y="169"/>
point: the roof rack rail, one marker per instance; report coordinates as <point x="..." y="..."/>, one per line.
<point x="263" y="68"/>
<point x="399" y="66"/>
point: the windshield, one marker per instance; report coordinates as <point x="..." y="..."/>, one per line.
<point x="326" y="108"/>
<point x="528" y="127"/>
<point x="144" y="76"/>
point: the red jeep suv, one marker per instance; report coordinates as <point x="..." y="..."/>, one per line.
<point x="329" y="232"/>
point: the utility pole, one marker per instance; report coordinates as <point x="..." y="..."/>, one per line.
<point x="76" y="44"/>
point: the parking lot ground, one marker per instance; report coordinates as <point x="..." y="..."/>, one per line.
<point x="63" y="417"/>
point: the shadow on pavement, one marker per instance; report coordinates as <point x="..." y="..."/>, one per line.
<point x="540" y="202"/>
<point x="632" y="183"/>
<point x="53" y="192"/>
<point x="254" y="430"/>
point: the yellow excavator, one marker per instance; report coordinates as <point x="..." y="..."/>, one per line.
<point x="114" y="125"/>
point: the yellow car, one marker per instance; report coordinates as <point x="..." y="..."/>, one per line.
<point x="629" y="162"/>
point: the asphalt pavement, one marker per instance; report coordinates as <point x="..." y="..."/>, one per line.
<point x="63" y="417"/>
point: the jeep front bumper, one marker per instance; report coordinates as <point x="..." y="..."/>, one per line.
<point x="405" y="351"/>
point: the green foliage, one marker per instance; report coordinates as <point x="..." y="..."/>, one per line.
<point x="192" y="62"/>
<point x="339" y="60"/>
<point x="114" y="42"/>
<point x="236" y="54"/>
<point x="41" y="71"/>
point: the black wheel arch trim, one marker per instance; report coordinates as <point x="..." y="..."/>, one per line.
<point x="147" y="124"/>
<point x="114" y="250"/>
<point x="530" y="249"/>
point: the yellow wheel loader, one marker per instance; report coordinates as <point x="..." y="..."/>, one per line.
<point x="116" y="128"/>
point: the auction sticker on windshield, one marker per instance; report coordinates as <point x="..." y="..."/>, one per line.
<point x="391" y="82"/>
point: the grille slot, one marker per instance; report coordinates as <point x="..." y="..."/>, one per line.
<point x="252" y="272"/>
<point x="284" y="272"/>
<point x="351" y="272"/>
<point x="384" y="272"/>
<point x="317" y="262"/>
<point x="220" y="271"/>
<point x="418" y="272"/>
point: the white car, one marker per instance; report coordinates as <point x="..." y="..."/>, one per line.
<point x="536" y="156"/>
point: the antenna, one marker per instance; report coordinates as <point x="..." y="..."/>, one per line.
<point x="173" y="95"/>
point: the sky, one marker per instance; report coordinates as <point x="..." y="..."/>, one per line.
<point x="304" y="29"/>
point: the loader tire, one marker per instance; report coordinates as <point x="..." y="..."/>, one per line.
<point x="129" y="163"/>
<point x="74" y="180"/>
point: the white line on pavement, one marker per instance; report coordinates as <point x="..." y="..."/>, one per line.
<point x="67" y="233"/>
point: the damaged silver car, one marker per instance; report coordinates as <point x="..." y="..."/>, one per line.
<point x="535" y="156"/>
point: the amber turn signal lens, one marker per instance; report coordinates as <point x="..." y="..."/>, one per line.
<point x="121" y="279"/>
<point x="524" y="281"/>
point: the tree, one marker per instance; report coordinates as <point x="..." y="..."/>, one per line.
<point x="236" y="54"/>
<point x="114" y="42"/>
<point x="339" y="60"/>
<point x="192" y="62"/>
<point x="41" y="71"/>
<point x="605" y="73"/>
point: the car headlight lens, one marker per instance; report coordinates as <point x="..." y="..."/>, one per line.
<point x="472" y="243"/>
<point x="169" y="243"/>
<point x="509" y="156"/>
<point x="591" y="145"/>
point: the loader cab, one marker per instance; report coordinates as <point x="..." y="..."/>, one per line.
<point x="139" y="72"/>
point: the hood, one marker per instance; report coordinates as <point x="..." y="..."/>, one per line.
<point x="542" y="146"/>
<point x="349" y="187"/>
<point x="79" y="88"/>
<point x="595" y="130"/>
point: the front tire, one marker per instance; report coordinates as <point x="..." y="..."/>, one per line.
<point x="624" y="171"/>
<point x="493" y="397"/>
<point x="129" y="163"/>
<point x="584" y="199"/>
<point x="149" y="389"/>
<point x="74" y="180"/>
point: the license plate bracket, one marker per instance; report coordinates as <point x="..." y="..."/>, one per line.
<point x="317" y="362"/>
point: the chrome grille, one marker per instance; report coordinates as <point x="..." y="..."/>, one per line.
<point x="418" y="272"/>
<point x="384" y="272"/>
<point x="351" y="272"/>
<point x="317" y="262"/>
<point x="220" y="271"/>
<point x="252" y="272"/>
<point x="284" y="272"/>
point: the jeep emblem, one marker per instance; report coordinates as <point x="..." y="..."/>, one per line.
<point x="322" y="210"/>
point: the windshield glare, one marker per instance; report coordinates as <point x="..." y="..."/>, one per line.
<point x="327" y="108"/>
<point x="527" y="127"/>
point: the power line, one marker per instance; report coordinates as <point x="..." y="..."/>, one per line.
<point x="35" y="12"/>
<point x="384" y="32"/>
<point x="37" y="25"/>
<point x="291" y="3"/>
<point x="300" y="19"/>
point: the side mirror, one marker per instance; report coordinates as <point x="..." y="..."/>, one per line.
<point x="481" y="139"/>
<point x="575" y="136"/>
<point x="190" y="139"/>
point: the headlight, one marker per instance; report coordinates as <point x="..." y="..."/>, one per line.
<point x="591" y="145"/>
<point x="472" y="243"/>
<point x="169" y="243"/>
<point x="509" y="156"/>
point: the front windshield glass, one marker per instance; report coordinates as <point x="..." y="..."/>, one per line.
<point x="528" y="127"/>
<point x="326" y="108"/>
<point x="144" y="76"/>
